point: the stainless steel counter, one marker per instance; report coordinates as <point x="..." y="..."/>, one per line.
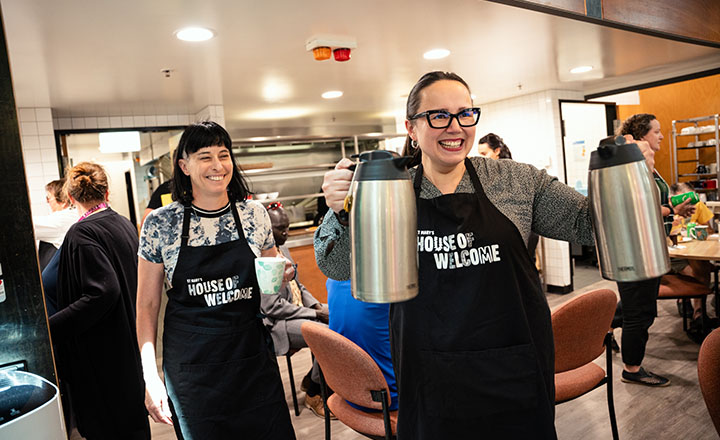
<point x="300" y="240"/>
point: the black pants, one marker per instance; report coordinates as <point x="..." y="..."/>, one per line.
<point x="635" y="313"/>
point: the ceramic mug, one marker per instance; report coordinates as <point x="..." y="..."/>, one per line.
<point x="700" y="232"/>
<point x="691" y="229"/>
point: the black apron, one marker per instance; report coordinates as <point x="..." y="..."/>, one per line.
<point x="473" y="352"/>
<point x="221" y="376"/>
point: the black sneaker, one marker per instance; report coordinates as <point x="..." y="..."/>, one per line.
<point x="643" y="377"/>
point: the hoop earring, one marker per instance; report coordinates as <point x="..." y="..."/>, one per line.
<point x="414" y="144"/>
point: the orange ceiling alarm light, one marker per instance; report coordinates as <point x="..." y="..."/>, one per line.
<point x="342" y="54"/>
<point x="321" y="53"/>
<point x="322" y="46"/>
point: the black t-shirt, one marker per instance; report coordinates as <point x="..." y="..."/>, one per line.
<point x="156" y="197"/>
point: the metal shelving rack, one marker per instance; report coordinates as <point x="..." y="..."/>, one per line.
<point x="697" y="145"/>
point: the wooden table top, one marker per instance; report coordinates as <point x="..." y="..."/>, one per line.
<point x="698" y="249"/>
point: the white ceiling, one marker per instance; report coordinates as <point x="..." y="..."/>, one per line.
<point x="104" y="57"/>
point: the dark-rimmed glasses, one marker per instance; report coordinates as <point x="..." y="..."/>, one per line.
<point x="274" y="205"/>
<point x="443" y="118"/>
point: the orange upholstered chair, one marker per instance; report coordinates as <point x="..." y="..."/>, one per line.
<point x="682" y="287"/>
<point x="355" y="377"/>
<point x="581" y="328"/>
<point x="709" y="375"/>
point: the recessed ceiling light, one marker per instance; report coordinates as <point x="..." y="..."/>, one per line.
<point x="332" y="94"/>
<point x="277" y="113"/>
<point x="119" y="141"/>
<point x="194" y="34"/>
<point x="436" y="54"/>
<point x="581" y="69"/>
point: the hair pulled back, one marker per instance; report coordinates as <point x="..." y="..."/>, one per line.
<point x="637" y="125"/>
<point x="56" y="189"/>
<point x="496" y="143"/>
<point x="87" y="183"/>
<point x="413" y="104"/>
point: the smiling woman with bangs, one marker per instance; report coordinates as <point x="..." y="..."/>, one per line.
<point x="221" y="376"/>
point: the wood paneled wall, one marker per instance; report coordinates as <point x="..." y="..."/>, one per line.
<point x="689" y="19"/>
<point x="309" y="273"/>
<point x="687" y="99"/>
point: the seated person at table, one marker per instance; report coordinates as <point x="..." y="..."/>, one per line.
<point x="698" y="269"/>
<point x="289" y="308"/>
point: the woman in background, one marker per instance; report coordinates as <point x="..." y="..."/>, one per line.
<point x="50" y="229"/>
<point x="637" y="308"/>
<point x="94" y="329"/>
<point x="492" y="146"/>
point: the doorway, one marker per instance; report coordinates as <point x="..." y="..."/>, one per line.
<point x="584" y="124"/>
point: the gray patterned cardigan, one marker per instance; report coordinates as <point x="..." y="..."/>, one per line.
<point x="530" y="198"/>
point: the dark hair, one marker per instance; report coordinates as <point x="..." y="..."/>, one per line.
<point x="56" y="189"/>
<point x="637" y="125"/>
<point x="680" y="188"/>
<point x="413" y="104"/>
<point x="195" y="137"/>
<point x="87" y="183"/>
<point x="496" y="142"/>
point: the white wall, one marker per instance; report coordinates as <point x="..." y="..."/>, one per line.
<point x="39" y="154"/>
<point x="37" y="127"/>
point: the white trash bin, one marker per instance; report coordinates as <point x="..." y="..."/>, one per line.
<point x="29" y="408"/>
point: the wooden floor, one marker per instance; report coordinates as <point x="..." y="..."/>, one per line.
<point x="674" y="412"/>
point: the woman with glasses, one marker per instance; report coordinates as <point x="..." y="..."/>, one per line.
<point x="473" y="352"/>
<point x="221" y="378"/>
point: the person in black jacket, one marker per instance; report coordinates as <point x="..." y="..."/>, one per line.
<point x="94" y="328"/>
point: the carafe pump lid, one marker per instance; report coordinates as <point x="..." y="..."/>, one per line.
<point x="382" y="165"/>
<point x="614" y="150"/>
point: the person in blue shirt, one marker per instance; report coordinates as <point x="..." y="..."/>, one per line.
<point x="366" y="325"/>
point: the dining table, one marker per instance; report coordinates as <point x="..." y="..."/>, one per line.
<point x="692" y="249"/>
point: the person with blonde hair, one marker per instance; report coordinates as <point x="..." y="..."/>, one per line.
<point x="94" y="329"/>
<point x="50" y="229"/>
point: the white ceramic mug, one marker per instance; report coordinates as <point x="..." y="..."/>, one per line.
<point x="269" y="271"/>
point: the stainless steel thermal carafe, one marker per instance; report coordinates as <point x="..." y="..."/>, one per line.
<point x="625" y="204"/>
<point x="383" y="230"/>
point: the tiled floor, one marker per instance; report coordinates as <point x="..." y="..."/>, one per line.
<point x="585" y="274"/>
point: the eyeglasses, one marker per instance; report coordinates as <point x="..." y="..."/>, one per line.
<point x="274" y="205"/>
<point x="443" y="118"/>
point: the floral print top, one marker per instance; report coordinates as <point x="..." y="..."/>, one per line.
<point x="160" y="236"/>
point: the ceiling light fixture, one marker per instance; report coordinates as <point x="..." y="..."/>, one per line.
<point x="119" y="141"/>
<point x="194" y="34"/>
<point x="436" y="54"/>
<point x="332" y="94"/>
<point x="277" y="113"/>
<point x="581" y="69"/>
